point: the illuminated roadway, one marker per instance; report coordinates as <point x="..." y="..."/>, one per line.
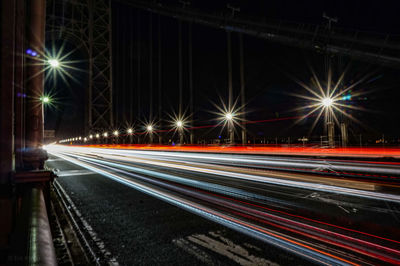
<point x="326" y="210"/>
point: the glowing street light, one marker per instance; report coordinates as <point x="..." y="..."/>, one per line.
<point x="90" y="136"/>
<point x="130" y="130"/>
<point x="229" y="119"/>
<point x="179" y="124"/>
<point x="149" y="129"/>
<point x="116" y="133"/>
<point x="45" y="99"/>
<point x="179" y="127"/>
<point x="105" y="134"/>
<point x="84" y="139"/>
<point x="80" y="138"/>
<point x="54" y="63"/>
<point x="229" y="116"/>
<point x="97" y="135"/>
<point x="327" y="102"/>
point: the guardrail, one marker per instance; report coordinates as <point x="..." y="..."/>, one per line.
<point x="40" y="248"/>
<point x="31" y="242"/>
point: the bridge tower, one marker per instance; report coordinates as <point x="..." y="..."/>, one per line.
<point x="87" y="24"/>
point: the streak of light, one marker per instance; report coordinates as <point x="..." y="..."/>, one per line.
<point x="364" y="152"/>
<point x="112" y="154"/>
<point x="248" y="228"/>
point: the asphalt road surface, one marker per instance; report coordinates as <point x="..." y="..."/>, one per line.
<point x="152" y="207"/>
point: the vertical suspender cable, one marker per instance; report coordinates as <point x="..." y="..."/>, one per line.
<point x="180" y="67"/>
<point x="230" y="89"/>
<point x="191" y="83"/>
<point x="229" y="55"/>
<point x="159" y="79"/>
<point x="131" y="56"/>
<point x="242" y="89"/>
<point x="117" y="71"/>
<point x="151" y="65"/>
<point x="123" y="72"/>
<point x="138" y="43"/>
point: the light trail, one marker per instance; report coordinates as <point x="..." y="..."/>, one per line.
<point x="231" y="222"/>
<point x="280" y="180"/>
<point x="305" y="163"/>
<point x="364" y="152"/>
<point x="192" y="183"/>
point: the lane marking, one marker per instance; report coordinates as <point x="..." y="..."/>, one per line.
<point x="75" y="172"/>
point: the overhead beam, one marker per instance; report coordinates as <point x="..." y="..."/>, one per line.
<point x="362" y="46"/>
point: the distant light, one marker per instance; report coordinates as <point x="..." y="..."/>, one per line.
<point x="29" y="51"/>
<point x="97" y="135"/>
<point x="179" y="123"/>
<point x="327" y="102"/>
<point x="229" y="116"/>
<point x="130" y="130"/>
<point x="346" y="97"/>
<point x="116" y="133"/>
<point x="33" y="53"/>
<point x="90" y="136"/>
<point x="105" y="134"/>
<point x="85" y="139"/>
<point x="149" y="128"/>
<point x="54" y="63"/>
<point x="45" y="99"/>
<point x="80" y="138"/>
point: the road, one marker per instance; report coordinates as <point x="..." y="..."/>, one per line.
<point x="322" y="210"/>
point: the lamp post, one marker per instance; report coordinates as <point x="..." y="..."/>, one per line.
<point x="149" y="129"/>
<point x="45" y="100"/>
<point x="229" y="119"/>
<point x="130" y="133"/>
<point x="54" y="63"/>
<point x="179" y="127"/>
<point x="327" y="103"/>
<point x="116" y="134"/>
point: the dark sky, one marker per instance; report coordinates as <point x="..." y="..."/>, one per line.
<point x="269" y="68"/>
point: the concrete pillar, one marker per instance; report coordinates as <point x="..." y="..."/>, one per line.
<point x="35" y="82"/>
<point x="7" y="90"/>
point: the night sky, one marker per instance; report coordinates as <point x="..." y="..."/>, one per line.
<point x="270" y="69"/>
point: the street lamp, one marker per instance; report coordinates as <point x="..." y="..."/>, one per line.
<point x="327" y="102"/>
<point x="229" y="120"/>
<point x="54" y="63"/>
<point x="116" y="133"/>
<point x="179" y="124"/>
<point x="105" y="134"/>
<point x="97" y="136"/>
<point x="179" y="127"/>
<point x="45" y="99"/>
<point x="90" y="136"/>
<point x="149" y="129"/>
<point x="229" y="116"/>
<point x="130" y="133"/>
